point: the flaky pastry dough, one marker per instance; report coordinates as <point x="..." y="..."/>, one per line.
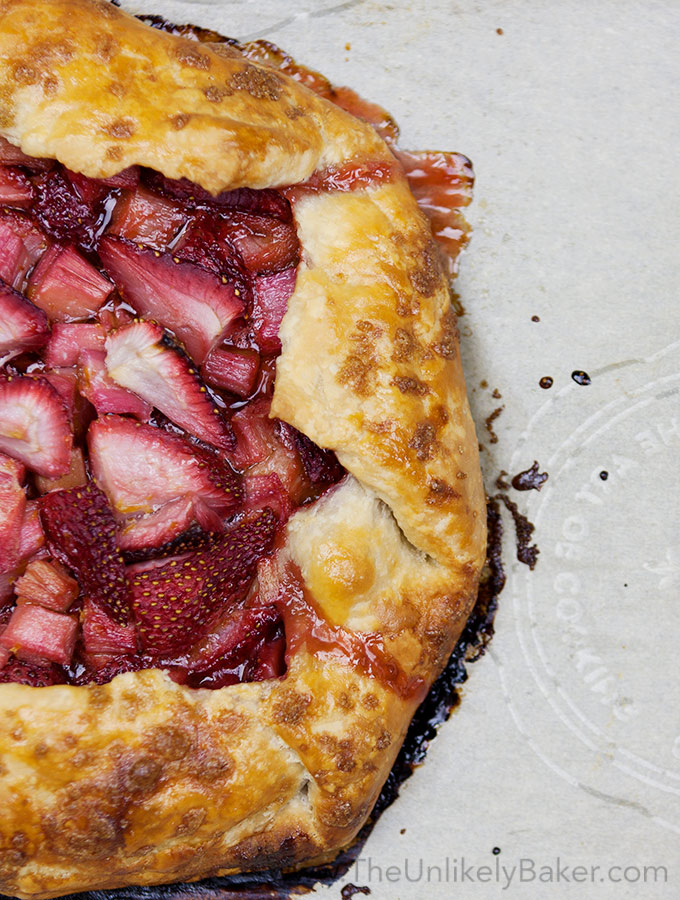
<point x="142" y="781"/>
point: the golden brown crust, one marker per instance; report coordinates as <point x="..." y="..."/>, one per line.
<point x="170" y="784"/>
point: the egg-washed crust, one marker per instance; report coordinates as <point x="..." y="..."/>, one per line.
<point x="142" y="781"/>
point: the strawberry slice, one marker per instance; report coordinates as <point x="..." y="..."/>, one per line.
<point x="268" y="490"/>
<point x="249" y="645"/>
<point x="64" y="213"/>
<point x="233" y="369"/>
<point x="321" y="466"/>
<point x="102" y="634"/>
<point x="175" y="604"/>
<point x="21" y="246"/>
<point x="153" y="480"/>
<point x="195" y="304"/>
<point x="262" y="202"/>
<point x="15" y="188"/>
<point x="13" y="156"/>
<point x="12" y="511"/>
<point x="36" y="633"/>
<point x="271" y="294"/>
<point x="141" y="359"/>
<point x="34" y="425"/>
<point x="104" y="394"/>
<point x="44" y="674"/>
<point x="67" y="341"/>
<point x="67" y="286"/>
<point x="46" y="584"/>
<point x="147" y="218"/>
<point x="22" y="325"/>
<point x="81" y="533"/>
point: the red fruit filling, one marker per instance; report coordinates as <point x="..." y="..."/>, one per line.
<point x="142" y="481"/>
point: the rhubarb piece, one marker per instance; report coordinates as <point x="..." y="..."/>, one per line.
<point x="67" y="286"/>
<point x="271" y="294"/>
<point x="248" y="646"/>
<point x="64" y="213"/>
<point x="147" y="218"/>
<point x="104" y="394"/>
<point x="174" y="605"/>
<point x="102" y="634"/>
<point x="193" y="303"/>
<point x="152" y="479"/>
<point x="65" y="381"/>
<point x="81" y="533"/>
<point x="46" y="583"/>
<point x="232" y="369"/>
<point x="254" y="433"/>
<point x="202" y="243"/>
<point x="67" y="341"/>
<point x="139" y="358"/>
<point x="34" y="425"/>
<point x="33" y="674"/>
<point x="21" y="246"/>
<point x="22" y="325"/>
<point x="268" y="490"/>
<point x="15" y="188"/>
<point x="31" y="537"/>
<point x="265" y="244"/>
<point x="12" y="511"/>
<point x="13" y="156"/>
<point x="34" y="632"/>
<point x="75" y="476"/>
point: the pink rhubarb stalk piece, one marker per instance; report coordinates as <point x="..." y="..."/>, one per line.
<point x="66" y="286"/>
<point x="232" y="369"/>
<point x="34" y="632"/>
<point x="46" y="584"/>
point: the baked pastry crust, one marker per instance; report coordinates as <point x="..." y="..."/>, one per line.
<point x="142" y="781"/>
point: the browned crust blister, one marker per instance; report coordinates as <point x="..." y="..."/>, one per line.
<point x="142" y="781"/>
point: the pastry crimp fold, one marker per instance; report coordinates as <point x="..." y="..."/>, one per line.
<point x="144" y="781"/>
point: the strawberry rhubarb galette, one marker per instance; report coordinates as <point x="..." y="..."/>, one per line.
<point x="241" y="513"/>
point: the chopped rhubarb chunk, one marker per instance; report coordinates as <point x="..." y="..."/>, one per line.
<point x="81" y="533"/>
<point x="152" y="478"/>
<point x="174" y="605"/>
<point x="46" y="584"/>
<point x="147" y="218"/>
<point x="232" y="369"/>
<point x="12" y="511"/>
<point x="102" y="634"/>
<point x="34" y="632"/>
<point x="21" y="246"/>
<point x="271" y="294"/>
<point x="22" y="325"/>
<point x="101" y="390"/>
<point x="141" y="359"/>
<point x="13" y="156"/>
<point x="266" y="245"/>
<point x="64" y="380"/>
<point x="75" y="476"/>
<point x="268" y="490"/>
<point x="254" y="431"/>
<point x="31" y="538"/>
<point x="196" y="305"/>
<point x="15" y="188"/>
<point x="68" y="340"/>
<point x="67" y="286"/>
<point x="34" y="425"/>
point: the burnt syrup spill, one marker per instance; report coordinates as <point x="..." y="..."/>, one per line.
<point x="530" y="479"/>
<point x="581" y="377"/>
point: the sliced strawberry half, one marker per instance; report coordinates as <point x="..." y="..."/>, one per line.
<point x="154" y="480"/>
<point x="67" y="286"/>
<point x="64" y="213"/>
<point x="36" y="633"/>
<point x="233" y="369"/>
<point x="22" y="325"/>
<point x="15" y="188"/>
<point x="102" y="634"/>
<point x="21" y="246"/>
<point x="45" y="674"/>
<point x="81" y="533"/>
<point x="262" y="202"/>
<point x="140" y="358"/>
<point x="271" y="294"/>
<point x="34" y="426"/>
<point x="175" y="604"/>
<point x="12" y="511"/>
<point x="193" y="303"/>
<point x="147" y="218"/>
<point x="67" y="341"/>
<point x="46" y="583"/>
<point x="101" y="390"/>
